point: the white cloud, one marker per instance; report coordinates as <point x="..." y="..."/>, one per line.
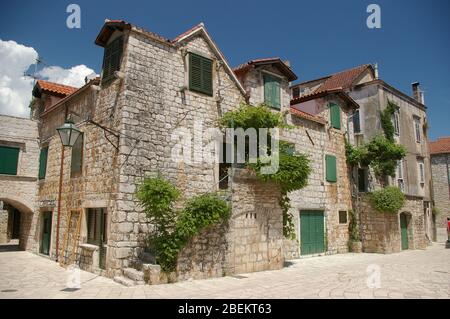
<point x="73" y="76"/>
<point x="15" y="88"/>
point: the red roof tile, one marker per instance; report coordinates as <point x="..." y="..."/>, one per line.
<point x="56" y="87"/>
<point x="283" y="67"/>
<point x="441" y="146"/>
<point x="308" y="116"/>
<point x="343" y="79"/>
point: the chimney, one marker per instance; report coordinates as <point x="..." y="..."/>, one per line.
<point x="417" y="92"/>
<point x="375" y="68"/>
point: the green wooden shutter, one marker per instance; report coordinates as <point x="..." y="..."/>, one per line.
<point x="200" y="74"/>
<point x="43" y="162"/>
<point x="271" y="91"/>
<point x="77" y="157"/>
<point x="112" y="57"/>
<point x="207" y="76"/>
<point x="9" y="157"/>
<point x="330" y="165"/>
<point x="335" y="116"/>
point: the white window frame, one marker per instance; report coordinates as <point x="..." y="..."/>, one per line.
<point x="399" y="175"/>
<point x="421" y="172"/>
<point x="417" y="133"/>
<point x="396" y="122"/>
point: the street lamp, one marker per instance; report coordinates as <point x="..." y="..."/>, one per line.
<point x="68" y="133"/>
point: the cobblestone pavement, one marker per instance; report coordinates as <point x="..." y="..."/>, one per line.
<point x="410" y="274"/>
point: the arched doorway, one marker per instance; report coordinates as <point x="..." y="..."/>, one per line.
<point x="15" y="224"/>
<point x="405" y="230"/>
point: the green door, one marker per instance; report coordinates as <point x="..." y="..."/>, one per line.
<point x="404" y="231"/>
<point x="312" y="239"/>
<point x="46" y="233"/>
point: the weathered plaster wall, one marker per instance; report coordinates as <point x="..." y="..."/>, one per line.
<point x="440" y="164"/>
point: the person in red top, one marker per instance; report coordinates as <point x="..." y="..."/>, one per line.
<point x="448" y="229"/>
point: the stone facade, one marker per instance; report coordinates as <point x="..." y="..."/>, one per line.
<point x="19" y="191"/>
<point x="441" y="193"/>
<point x="362" y="85"/>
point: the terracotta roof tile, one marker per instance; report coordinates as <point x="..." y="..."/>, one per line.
<point x="308" y="116"/>
<point x="56" y="87"/>
<point x="343" y="79"/>
<point x="440" y="146"/>
<point x="283" y="67"/>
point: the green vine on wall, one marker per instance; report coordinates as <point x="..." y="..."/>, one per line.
<point x="293" y="168"/>
<point x="173" y="229"/>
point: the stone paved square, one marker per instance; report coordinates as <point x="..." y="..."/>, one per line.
<point x="409" y="274"/>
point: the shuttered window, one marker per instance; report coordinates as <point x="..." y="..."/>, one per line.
<point x="77" y="157"/>
<point x="111" y="58"/>
<point x="272" y="91"/>
<point x="330" y="166"/>
<point x="335" y="116"/>
<point x="43" y="162"/>
<point x="200" y="74"/>
<point x="9" y="157"/>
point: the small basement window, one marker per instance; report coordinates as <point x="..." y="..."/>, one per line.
<point x="342" y="217"/>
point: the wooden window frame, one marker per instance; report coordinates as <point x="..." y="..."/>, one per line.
<point x="16" y="171"/>
<point x="202" y="87"/>
<point x="80" y="172"/>
<point x="269" y="102"/>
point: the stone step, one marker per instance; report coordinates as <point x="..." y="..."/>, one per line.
<point x="124" y="281"/>
<point x="133" y="274"/>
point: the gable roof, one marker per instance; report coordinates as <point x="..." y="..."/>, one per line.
<point x="52" y="88"/>
<point x="321" y="93"/>
<point x="440" y="146"/>
<point x="276" y="62"/>
<point x="307" y="116"/>
<point x="111" y="25"/>
<point x="343" y="79"/>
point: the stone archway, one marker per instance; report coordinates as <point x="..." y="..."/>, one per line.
<point x="15" y="222"/>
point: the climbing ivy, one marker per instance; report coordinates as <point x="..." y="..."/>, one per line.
<point x="388" y="200"/>
<point x="174" y="228"/>
<point x="294" y="168"/>
<point x="386" y="120"/>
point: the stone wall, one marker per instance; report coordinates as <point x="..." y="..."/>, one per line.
<point x="441" y="192"/>
<point x="20" y="191"/>
<point x="157" y="106"/>
<point x="316" y="140"/>
<point x="380" y="232"/>
<point x="3" y="225"/>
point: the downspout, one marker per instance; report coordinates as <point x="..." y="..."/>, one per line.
<point x="61" y="172"/>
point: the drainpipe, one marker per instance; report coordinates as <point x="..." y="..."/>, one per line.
<point x="58" y="217"/>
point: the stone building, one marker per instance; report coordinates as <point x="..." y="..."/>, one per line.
<point x="321" y="123"/>
<point x="440" y="163"/>
<point x="151" y="93"/>
<point x="412" y="227"/>
<point x="19" y="155"/>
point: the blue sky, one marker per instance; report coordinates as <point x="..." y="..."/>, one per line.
<point x="317" y="37"/>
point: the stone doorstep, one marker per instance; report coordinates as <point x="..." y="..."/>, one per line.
<point x="124" y="281"/>
<point x="133" y="274"/>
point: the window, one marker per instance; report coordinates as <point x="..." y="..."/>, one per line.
<point x="342" y="217"/>
<point x="200" y="74"/>
<point x="43" y="162"/>
<point x="417" y="129"/>
<point x="362" y="180"/>
<point x="400" y="180"/>
<point x="330" y="167"/>
<point x="96" y="226"/>
<point x="77" y="157"/>
<point x="111" y="58"/>
<point x="335" y="116"/>
<point x="289" y="148"/>
<point x="421" y="172"/>
<point x="272" y="91"/>
<point x="396" y="121"/>
<point x="356" y="122"/>
<point x="9" y="157"/>
<point x="295" y="92"/>
<point x="224" y="165"/>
